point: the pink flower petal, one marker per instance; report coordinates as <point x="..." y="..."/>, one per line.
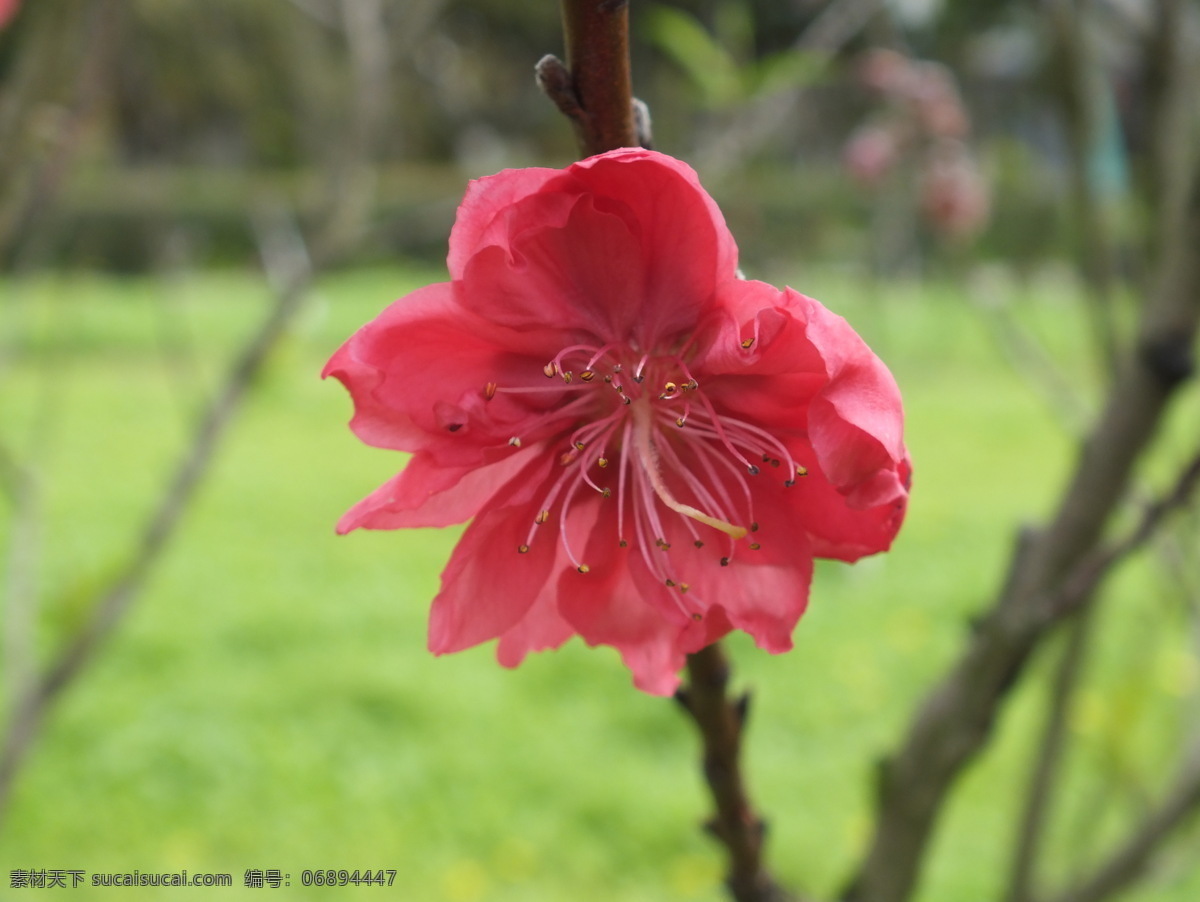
<point x="488" y="585"/>
<point x="427" y="493"/>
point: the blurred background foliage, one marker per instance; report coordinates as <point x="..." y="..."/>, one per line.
<point x="190" y="107"/>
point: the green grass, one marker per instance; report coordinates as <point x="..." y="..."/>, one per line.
<point x="269" y="702"/>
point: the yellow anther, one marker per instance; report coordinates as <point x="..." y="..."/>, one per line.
<point x="522" y="549"/>
<point x="587" y="375"/>
<point x="583" y="568"/>
<point x="602" y="462"/>
<point x="542" y="517"/>
<point x="515" y="441"/>
<point x="551" y="370"/>
<point x="747" y="344"/>
<point x="489" y="390"/>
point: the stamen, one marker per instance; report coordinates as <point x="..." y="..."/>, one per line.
<point x="748" y="344"/>
<point x="649" y="461"/>
<point x="489" y="390"/>
<point x="515" y="441"/>
<point x="551" y="370"/>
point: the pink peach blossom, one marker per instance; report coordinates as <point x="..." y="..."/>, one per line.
<point x="650" y="449"/>
<point x="871" y="153"/>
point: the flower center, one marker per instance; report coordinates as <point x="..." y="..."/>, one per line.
<point x="640" y="426"/>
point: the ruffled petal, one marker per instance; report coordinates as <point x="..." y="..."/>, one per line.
<point x="418" y="375"/>
<point x="483" y="217"/>
<point x="783" y="361"/>
<point x="488" y="586"/>
<point x="762" y="586"/>
<point x="687" y="249"/>
<point x="585" y="272"/>
<point x="607" y="606"/>
<point x="542" y="628"/>
<point x="838" y="530"/>
<point x="622" y="245"/>
<point x="427" y="493"/>
<point x="856" y="421"/>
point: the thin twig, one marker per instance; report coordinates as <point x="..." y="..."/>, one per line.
<point x="1090" y="572"/>
<point x="756" y="122"/>
<point x="1031" y="361"/>
<point x="1039" y="795"/>
<point x="19" y="588"/>
<point x="1081" y="87"/>
<point x="1130" y="859"/>
<point x="596" y="33"/>
<point x="290" y="271"/>
<point x="113" y="601"/>
<point x="736" y="825"/>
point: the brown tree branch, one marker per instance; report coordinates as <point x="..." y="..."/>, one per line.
<point x="594" y="89"/>
<point x="736" y="825"/>
<point x="1052" y="578"/>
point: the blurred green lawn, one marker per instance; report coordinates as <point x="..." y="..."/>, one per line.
<point x="270" y="703"/>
